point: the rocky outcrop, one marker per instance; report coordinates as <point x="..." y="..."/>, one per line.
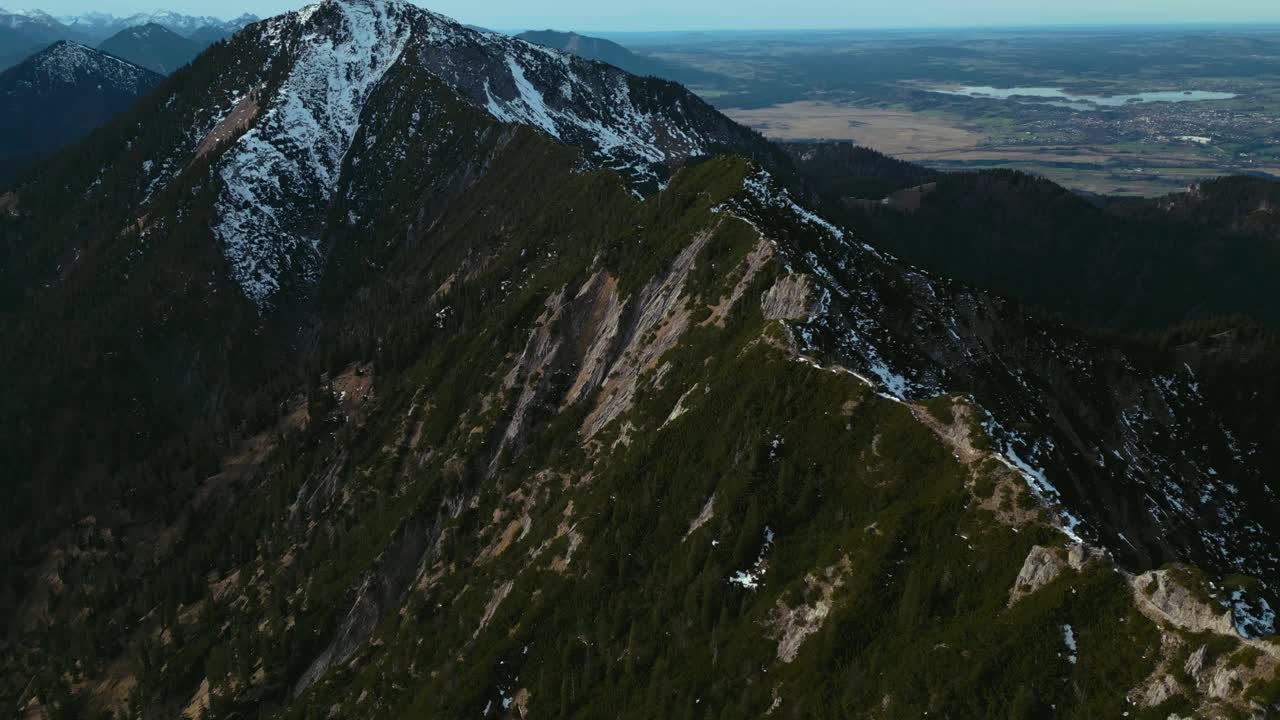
<point x="491" y="608"/>
<point x="529" y="373"/>
<point x="1163" y="599"/>
<point x="660" y="318"/>
<point x="791" y="625"/>
<point x="198" y="706"/>
<point x="600" y="333"/>
<point x="791" y="298"/>
<point x="1043" y="565"/>
<point x="754" y="263"/>
<point x="1215" y="682"/>
<point x="708" y="511"/>
<point x="1158" y="691"/>
<point x="240" y="118"/>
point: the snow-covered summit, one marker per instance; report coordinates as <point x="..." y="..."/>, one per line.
<point x="281" y="175"/>
<point x="70" y="63"/>
<point x="28" y="19"/>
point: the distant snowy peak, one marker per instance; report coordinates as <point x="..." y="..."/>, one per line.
<point x="70" y="63"/>
<point x="102" y="25"/>
<point x="148" y="30"/>
<point x="188" y="24"/>
<point x="28" y="19"/>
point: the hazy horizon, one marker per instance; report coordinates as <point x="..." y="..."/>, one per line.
<point x="751" y="15"/>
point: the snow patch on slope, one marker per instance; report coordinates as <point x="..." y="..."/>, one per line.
<point x="863" y="340"/>
<point x="570" y="108"/>
<point x="750" y="579"/>
<point x="529" y="107"/>
<point x="1252" y="616"/>
<point x="280" y="175"/>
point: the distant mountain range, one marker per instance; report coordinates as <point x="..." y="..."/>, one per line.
<point x="607" y="51"/>
<point x="103" y="25"/>
<point x="23" y="33"/>
<point x="58" y="96"/>
<point x="55" y="87"/>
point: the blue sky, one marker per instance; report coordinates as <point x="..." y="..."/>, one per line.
<point x="602" y="15"/>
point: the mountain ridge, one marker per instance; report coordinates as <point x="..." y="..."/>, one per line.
<point x="586" y="391"/>
<point x="99" y="26"/>
<point x="632" y="132"/>
<point x="24" y="33"/>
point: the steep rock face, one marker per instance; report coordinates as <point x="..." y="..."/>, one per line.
<point x="1043" y="565"/>
<point x="1179" y="605"/>
<point x="791" y="298"/>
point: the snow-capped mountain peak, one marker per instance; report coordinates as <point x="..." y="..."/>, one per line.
<point x="69" y="63"/>
<point x="296" y="150"/>
<point x="280" y="176"/>
<point x="28" y="19"/>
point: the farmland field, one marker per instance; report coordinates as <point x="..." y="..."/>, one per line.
<point x="1140" y="111"/>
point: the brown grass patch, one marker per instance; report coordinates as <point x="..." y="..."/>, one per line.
<point x="889" y="131"/>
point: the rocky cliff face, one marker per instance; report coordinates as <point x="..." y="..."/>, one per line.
<point x="487" y="388"/>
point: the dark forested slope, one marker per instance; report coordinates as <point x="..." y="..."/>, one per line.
<point x="1128" y="264"/>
